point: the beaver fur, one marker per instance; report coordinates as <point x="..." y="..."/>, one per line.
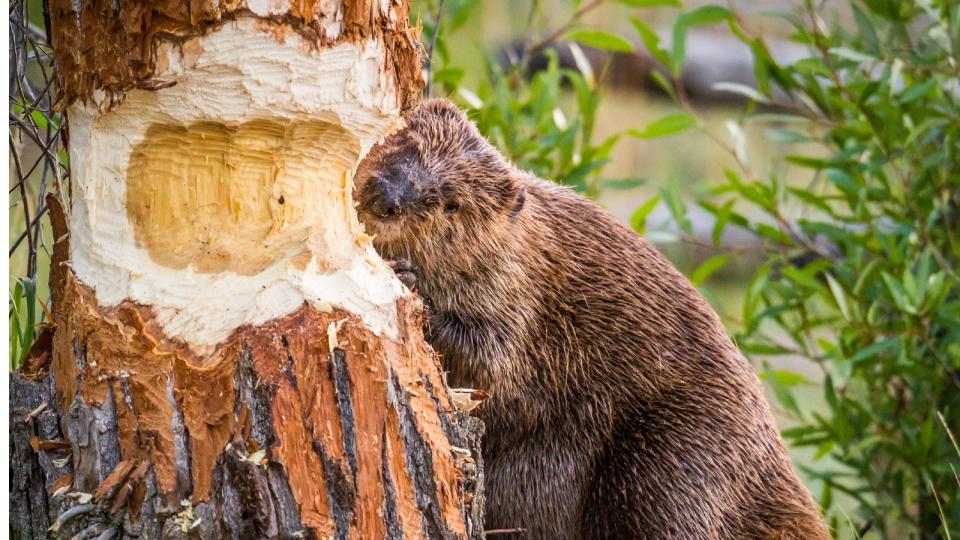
<point x="619" y="407"/>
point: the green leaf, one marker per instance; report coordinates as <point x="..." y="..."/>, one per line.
<point x="896" y="290"/>
<point x="790" y="378"/>
<point x="700" y="16"/>
<point x="764" y="349"/>
<point x="784" y="396"/>
<point x="866" y="275"/>
<point x="874" y="349"/>
<point x="808" y="162"/>
<point x="668" y="125"/>
<point x="708" y="268"/>
<point x="772" y="234"/>
<point x="823" y="449"/>
<point x="937" y="289"/>
<point x="651" y="41"/>
<point x="838" y="295"/>
<point x="830" y="392"/>
<point x="723" y="215"/>
<point x="709" y="14"/>
<point x="918" y="91"/>
<point x="16" y="323"/>
<point x="677" y="208"/>
<point x="601" y="40"/>
<point x="639" y="218"/>
<point x="623" y="184"/>
<point x="865" y="26"/>
<point x="850" y="54"/>
<point x="663" y="83"/>
<point x="752" y="298"/>
<point x="742" y="90"/>
<point x="24" y="318"/>
<point x="842" y="180"/>
<point x="801" y="277"/>
<point x="798" y="431"/>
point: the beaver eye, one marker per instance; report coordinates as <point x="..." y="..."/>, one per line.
<point x="451" y="207"/>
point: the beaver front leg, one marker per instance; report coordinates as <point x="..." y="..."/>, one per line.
<point x="474" y="349"/>
<point x="405" y="272"/>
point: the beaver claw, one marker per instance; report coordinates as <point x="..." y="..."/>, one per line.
<point x="405" y="272"/>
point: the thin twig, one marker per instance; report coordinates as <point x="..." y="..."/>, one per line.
<point x="47" y="158"/>
<point x="36" y="219"/>
<point x="493" y="532"/>
<point x="433" y="43"/>
<point x="525" y="53"/>
<point x="43" y="145"/>
<point x="32" y="257"/>
<point x="555" y="35"/>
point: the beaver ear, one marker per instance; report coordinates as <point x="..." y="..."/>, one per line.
<point x="519" y="199"/>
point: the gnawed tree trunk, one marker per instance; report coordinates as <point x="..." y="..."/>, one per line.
<point x="230" y="358"/>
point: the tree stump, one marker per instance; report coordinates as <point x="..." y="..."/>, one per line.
<point x="229" y="358"/>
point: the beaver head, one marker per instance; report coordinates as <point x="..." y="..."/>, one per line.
<point x="434" y="182"/>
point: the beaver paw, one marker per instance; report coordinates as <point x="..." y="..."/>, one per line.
<point x="405" y="272"/>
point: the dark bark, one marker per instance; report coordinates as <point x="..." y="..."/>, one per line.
<point x="33" y="473"/>
<point x="101" y="496"/>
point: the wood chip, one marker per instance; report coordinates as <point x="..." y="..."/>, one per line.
<point x="114" y="479"/>
<point x="467" y="399"/>
<point x="61" y="485"/>
<point x="37" y="444"/>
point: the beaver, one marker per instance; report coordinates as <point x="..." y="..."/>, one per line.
<point x="619" y="407"/>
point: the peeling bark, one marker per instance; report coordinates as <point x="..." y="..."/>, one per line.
<point x="108" y="46"/>
<point x="298" y="399"/>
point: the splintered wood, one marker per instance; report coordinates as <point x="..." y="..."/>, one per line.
<point x="234" y="198"/>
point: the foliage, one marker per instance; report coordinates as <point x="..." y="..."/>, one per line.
<point x="23" y="320"/>
<point x="861" y="272"/>
<point x="534" y="120"/>
<point x="38" y="165"/>
<point x="527" y="119"/>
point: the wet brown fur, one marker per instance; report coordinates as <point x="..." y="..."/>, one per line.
<point x="619" y="406"/>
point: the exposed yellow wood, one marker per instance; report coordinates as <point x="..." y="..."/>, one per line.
<point x="234" y="197"/>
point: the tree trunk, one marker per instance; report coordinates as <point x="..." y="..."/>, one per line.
<point x="230" y="358"/>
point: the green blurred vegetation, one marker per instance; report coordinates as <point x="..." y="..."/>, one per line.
<point x="855" y="219"/>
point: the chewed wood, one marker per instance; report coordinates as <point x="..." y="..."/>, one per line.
<point x="250" y="190"/>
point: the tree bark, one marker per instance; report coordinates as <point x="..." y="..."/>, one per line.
<point x="229" y="357"/>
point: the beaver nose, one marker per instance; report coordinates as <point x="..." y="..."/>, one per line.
<point x="386" y="199"/>
<point x="387" y="207"/>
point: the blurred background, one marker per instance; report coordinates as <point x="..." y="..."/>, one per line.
<point x="799" y="160"/>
